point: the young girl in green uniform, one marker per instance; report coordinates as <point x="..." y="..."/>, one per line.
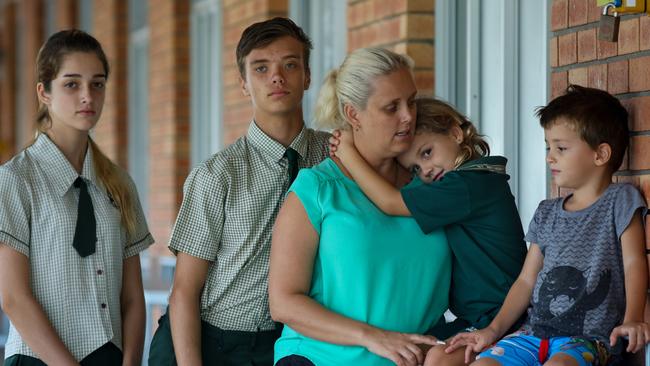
<point x="466" y="192"/>
<point x="71" y="226"/>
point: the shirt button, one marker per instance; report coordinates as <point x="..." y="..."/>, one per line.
<point x="99" y="272"/>
<point x="103" y="306"/>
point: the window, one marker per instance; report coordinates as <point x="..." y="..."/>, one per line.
<point x="138" y="89"/>
<point x="4" y="332"/>
<point x="205" y="68"/>
<point x="85" y="15"/>
<point x="325" y="23"/>
<point x="49" y="7"/>
<point x="491" y="63"/>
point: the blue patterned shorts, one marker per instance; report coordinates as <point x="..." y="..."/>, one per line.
<point x="520" y="349"/>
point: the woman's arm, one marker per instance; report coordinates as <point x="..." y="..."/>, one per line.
<point x="381" y="192"/>
<point x="25" y="313"/>
<point x="133" y="312"/>
<point x="636" y="287"/>
<point x="184" y="308"/>
<point x="294" y="247"/>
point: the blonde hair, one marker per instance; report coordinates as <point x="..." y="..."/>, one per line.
<point x="436" y="116"/>
<point x="49" y="61"/>
<point x="351" y="84"/>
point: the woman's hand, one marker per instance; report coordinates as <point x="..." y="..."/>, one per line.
<point x="341" y="143"/>
<point x="476" y="341"/>
<point x="401" y="348"/>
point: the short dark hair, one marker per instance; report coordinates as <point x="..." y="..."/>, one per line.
<point x="262" y="34"/>
<point x="597" y="116"/>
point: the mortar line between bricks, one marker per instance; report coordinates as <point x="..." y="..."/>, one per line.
<point x="639" y="133"/>
<point x="629" y="56"/>
<point x="587" y="26"/>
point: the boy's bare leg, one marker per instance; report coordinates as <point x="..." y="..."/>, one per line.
<point x="437" y="357"/>
<point x="486" y="362"/>
<point x="561" y="359"/>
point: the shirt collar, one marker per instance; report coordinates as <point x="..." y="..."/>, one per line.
<point x="494" y="164"/>
<point x="274" y="149"/>
<point x="56" y="166"/>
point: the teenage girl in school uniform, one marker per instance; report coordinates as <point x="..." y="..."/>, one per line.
<point x="71" y="226"/>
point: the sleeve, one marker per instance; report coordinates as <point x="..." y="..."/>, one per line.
<point x="627" y="203"/>
<point x="439" y="203"/>
<point x="539" y="223"/>
<point x="199" y="225"/>
<point x="307" y="188"/>
<point x="141" y="238"/>
<point x="531" y="235"/>
<point x="15" y="212"/>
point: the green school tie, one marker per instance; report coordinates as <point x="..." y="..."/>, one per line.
<point x="85" y="233"/>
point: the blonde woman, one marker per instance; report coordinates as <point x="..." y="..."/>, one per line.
<point x="352" y="285"/>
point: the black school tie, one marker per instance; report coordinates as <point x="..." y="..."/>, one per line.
<point x="85" y="232"/>
<point x="292" y="157"/>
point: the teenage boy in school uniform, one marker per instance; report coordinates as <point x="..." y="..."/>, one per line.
<point x="218" y="308"/>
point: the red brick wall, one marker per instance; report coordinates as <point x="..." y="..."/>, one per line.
<point x="169" y="113"/>
<point x="405" y="26"/>
<point x="66" y="14"/>
<point x="110" y="27"/>
<point x="27" y="17"/>
<point x="621" y="68"/>
<point x="237" y="15"/>
<point x="7" y="82"/>
<point x="31" y="18"/>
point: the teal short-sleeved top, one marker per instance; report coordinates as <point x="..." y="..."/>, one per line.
<point x="377" y="269"/>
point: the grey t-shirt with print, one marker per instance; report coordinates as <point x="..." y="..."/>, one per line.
<point x="580" y="290"/>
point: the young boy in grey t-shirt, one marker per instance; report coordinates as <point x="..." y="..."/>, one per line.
<point x="585" y="276"/>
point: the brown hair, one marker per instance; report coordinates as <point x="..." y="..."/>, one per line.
<point x="596" y="115"/>
<point x="262" y="34"/>
<point x="49" y="61"/>
<point x="436" y="116"/>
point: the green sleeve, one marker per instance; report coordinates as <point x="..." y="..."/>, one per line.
<point x="439" y="203"/>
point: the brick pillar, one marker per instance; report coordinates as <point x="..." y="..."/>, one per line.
<point x="31" y="23"/>
<point x="110" y="28"/>
<point x="66" y="14"/>
<point x="237" y="15"/>
<point x="404" y="26"/>
<point x="8" y="82"/>
<point x="169" y="111"/>
<point x="621" y="68"/>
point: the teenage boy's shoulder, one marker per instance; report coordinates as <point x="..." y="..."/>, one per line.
<point x="222" y="166"/>
<point x="225" y="164"/>
<point x="318" y="142"/>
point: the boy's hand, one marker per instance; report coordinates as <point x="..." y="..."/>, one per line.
<point x="638" y="334"/>
<point x="340" y="143"/>
<point x="475" y="341"/>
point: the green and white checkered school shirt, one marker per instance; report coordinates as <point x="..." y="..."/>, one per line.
<point x="38" y="215"/>
<point x="230" y="203"/>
